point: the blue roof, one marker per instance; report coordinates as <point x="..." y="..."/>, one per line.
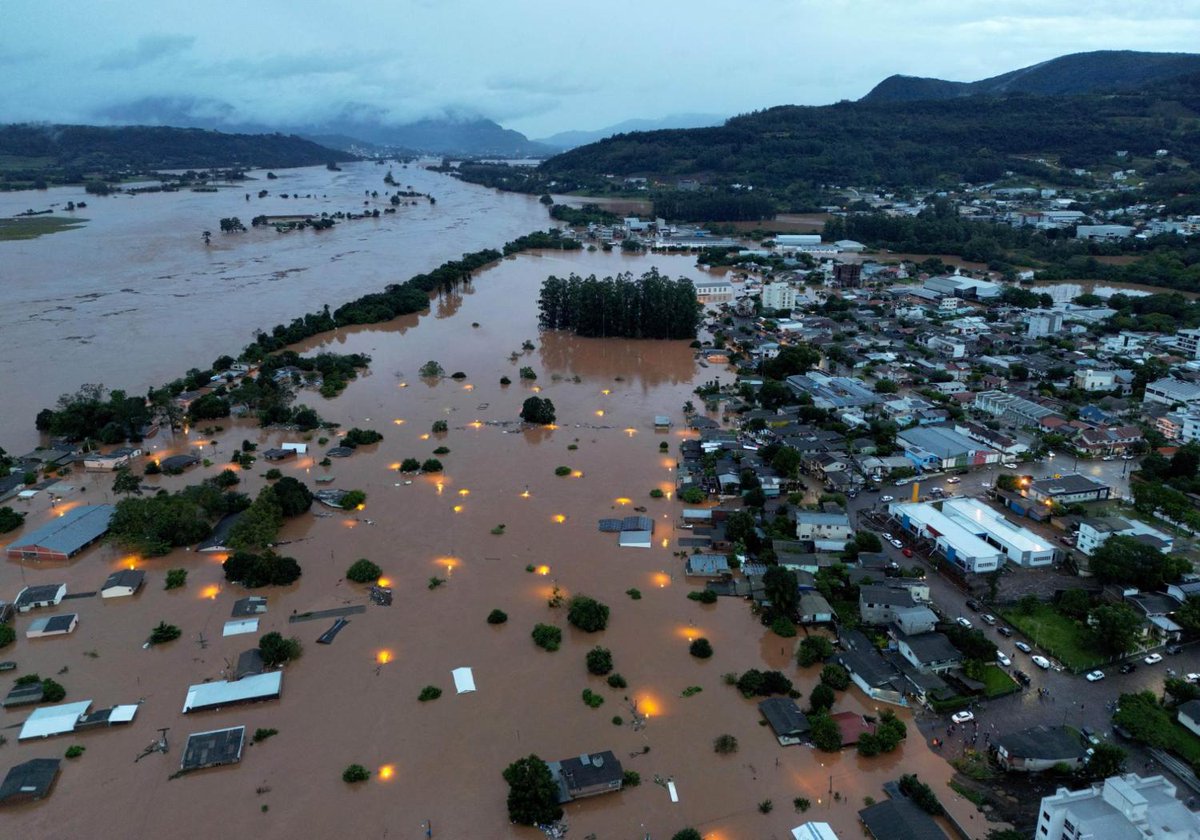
<point x="70" y="533"/>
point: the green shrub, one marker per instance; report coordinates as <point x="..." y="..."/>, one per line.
<point x="801" y="804"/>
<point x="164" y="633"/>
<point x="435" y="582"/>
<point x="700" y="648"/>
<point x="429" y="692"/>
<point x="814" y="649"/>
<point x="497" y="617"/>
<point x="74" y="751"/>
<point x="592" y="699"/>
<point x="353" y="499"/>
<point x="52" y="692"/>
<point x="7" y="635"/>
<point x="836" y="677"/>
<point x="656" y="493"/>
<point x="439" y="427"/>
<point x="363" y="570"/>
<point x="442" y="450"/>
<point x="274" y="474"/>
<point x="766" y="806"/>
<point x="599" y="661"/>
<point x="631" y="778"/>
<point x="782" y="626"/>
<point x="561" y="471"/>
<point x="276" y="650"/>
<point x="547" y="636"/>
<point x="431" y="465"/>
<point x="410" y="465"/>
<point x="704" y="596"/>
<point x="588" y="614"/>
<point x="263" y="734"/>
<point x="616" y="681"/>
<point x="692" y="495"/>
<point x="617" y="720"/>
<point x="504" y="380"/>
<point x="355" y="773"/>
<point x="176" y="578"/>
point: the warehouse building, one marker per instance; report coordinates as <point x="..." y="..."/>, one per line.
<point x="65" y="536"/>
<point x="1021" y="546"/>
<point x="940" y="448"/>
<point x="957" y="544"/>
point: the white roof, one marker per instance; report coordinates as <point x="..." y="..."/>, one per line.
<point x="671" y="790"/>
<point x="464" y="680"/>
<point x="968" y="510"/>
<point x="122" y="714"/>
<point x="258" y="687"/>
<point x="54" y="720"/>
<point x="299" y="448"/>
<point x="814" y="831"/>
<point x="27" y="494"/>
<point x="634" y="539"/>
<point x="242" y="625"/>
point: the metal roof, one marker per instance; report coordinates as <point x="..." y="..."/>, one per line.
<point x="54" y="720"/>
<point x="214" y="694"/>
<point x="31" y="779"/>
<point x="69" y="533"/>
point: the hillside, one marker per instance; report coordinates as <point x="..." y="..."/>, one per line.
<point x="572" y="139"/>
<point x="922" y="142"/>
<point x="64" y="153"/>
<point x="1090" y="72"/>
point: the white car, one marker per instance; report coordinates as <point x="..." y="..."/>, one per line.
<point x="1095" y="676"/>
<point x="1021" y="646"/>
<point x="1192" y="678"/>
<point x="1003" y="659"/>
<point x="963" y="622"/>
<point x="988" y="618"/>
<point x="962" y="717"/>
<point x="953" y="480"/>
<point x="898" y="543"/>
<point x="887" y="498"/>
<point x="1009" y="466"/>
<point x="1153" y="659"/>
<point x="1041" y="661"/>
<point x="985" y="484"/>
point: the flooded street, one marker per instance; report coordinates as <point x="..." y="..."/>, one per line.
<point x="343" y="703"/>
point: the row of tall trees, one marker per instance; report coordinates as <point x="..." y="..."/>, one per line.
<point x="650" y="306"/>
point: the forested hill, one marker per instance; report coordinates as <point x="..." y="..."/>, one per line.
<point x="86" y="148"/>
<point x="906" y="143"/>
<point x="1090" y="72"/>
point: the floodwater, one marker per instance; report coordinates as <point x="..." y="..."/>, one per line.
<point x="134" y="298"/>
<point x="345" y="704"/>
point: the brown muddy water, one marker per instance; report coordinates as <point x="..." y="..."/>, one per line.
<point x="134" y="297"/>
<point x="356" y="700"/>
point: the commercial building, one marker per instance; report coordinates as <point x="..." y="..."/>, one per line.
<point x="1021" y="546"/>
<point x="1091" y="379"/>
<point x="1012" y="408"/>
<point x="1188" y="341"/>
<point x="1170" y="391"/>
<point x="942" y="448"/>
<point x="959" y="545"/>
<point x="778" y="296"/>
<point x="215" y="695"/>
<point x="1121" y="807"/>
<point x="832" y="391"/>
<point x="956" y="285"/>
<point x="1105" y="232"/>
<point x="1068" y="489"/>
<point x="1043" y="322"/>
<point x="65" y="536"/>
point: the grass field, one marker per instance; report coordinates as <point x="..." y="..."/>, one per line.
<point x="1058" y="635"/>
<point x="31" y="227"/>
<point x="998" y="682"/>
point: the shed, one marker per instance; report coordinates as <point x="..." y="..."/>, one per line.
<point x="240" y="626"/>
<point x="65" y="536"/>
<point x="213" y="748"/>
<point x="298" y="448"/>
<point x="47" y="595"/>
<point x="23" y="695"/>
<point x="814" y="609"/>
<point x="29" y="781"/>
<point x="108" y="717"/>
<point x="123" y="583"/>
<point x="662" y="421"/>
<point x="785" y="719"/>
<point x="53" y="720"/>
<point x="54" y="625"/>
<point x="215" y="695"/>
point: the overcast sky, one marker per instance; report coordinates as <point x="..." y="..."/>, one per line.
<point x="539" y="67"/>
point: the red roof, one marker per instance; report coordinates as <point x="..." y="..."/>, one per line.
<point x="852" y="725"/>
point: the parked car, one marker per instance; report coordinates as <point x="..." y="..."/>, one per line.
<point x="1041" y="661"/>
<point x="972" y="604"/>
<point x="1009" y="466"/>
<point x="1021" y="646"/>
<point x="1192" y="678"/>
<point x="887" y="536"/>
<point x="908" y="552"/>
<point x="1003" y="659"/>
<point x="963" y="622"/>
<point x="1108" y="458"/>
<point x="1126" y="457"/>
<point x="1153" y="659"/>
<point x="985" y="484"/>
<point x="897" y="543"/>
<point x="1022" y="678"/>
<point x="1128" y="668"/>
<point x="988" y="618"/>
<point x="1090" y="734"/>
<point x="1094" y="676"/>
<point x="887" y="498"/>
<point x="1174" y="649"/>
<point x="953" y="479"/>
<point x="962" y="717"/>
<point x="1004" y="631"/>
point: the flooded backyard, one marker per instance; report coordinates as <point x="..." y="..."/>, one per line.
<point x="355" y="701"/>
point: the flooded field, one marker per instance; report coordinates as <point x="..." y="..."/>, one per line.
<point x="135" y="298"/>
<point x="356" y="700"/>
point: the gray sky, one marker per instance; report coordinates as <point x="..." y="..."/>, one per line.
<point x="539" y="67"/>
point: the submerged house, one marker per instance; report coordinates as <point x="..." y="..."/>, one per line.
<point x="588" y="775"/>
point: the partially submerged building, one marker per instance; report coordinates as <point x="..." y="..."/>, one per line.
<point x="213" y="748"/>
<point x="54" y="625"/>
<point x="65" y="536"/>
<point x="785" y="719"/>
<point x="216" y="695"/>
<point x="45" y="595"/>
<point x="123" y="583"/>
<point x="29" y="781"/>
<point x="591" y="774"/>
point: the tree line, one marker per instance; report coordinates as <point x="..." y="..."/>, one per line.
<point x="650" y="306"/>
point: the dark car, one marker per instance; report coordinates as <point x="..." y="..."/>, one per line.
<point x="1173" y="649"/>
<point x="972" y="604"/>
<point x="1004" y="631"/>
<point x="1022" y="677"/>
<point x="1128" y="668"/>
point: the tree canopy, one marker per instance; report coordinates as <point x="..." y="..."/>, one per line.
<point x="1127" y="560"/>
<point x="532" y="792"/>
<point x="651" y="306"/>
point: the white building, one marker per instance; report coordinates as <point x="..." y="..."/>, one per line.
<point x="1021" y="546"/>
<point x="792" y="241"/>
<point x="1042" y="323"/>
<point x="1106" y="232"/>
<point x="713" y="291"/>
<point x="827" y="530"/>
<point x="1170" y="391"/>
<point x="778" y="296"/>
<point x="1090" y="379"/>
<point x="957" y="544"/>
<point x="1188" y="342"/>
<point x="1122" y="807"/>
<point x="1189" y="429"/>
<point x="1093" y="533"/>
